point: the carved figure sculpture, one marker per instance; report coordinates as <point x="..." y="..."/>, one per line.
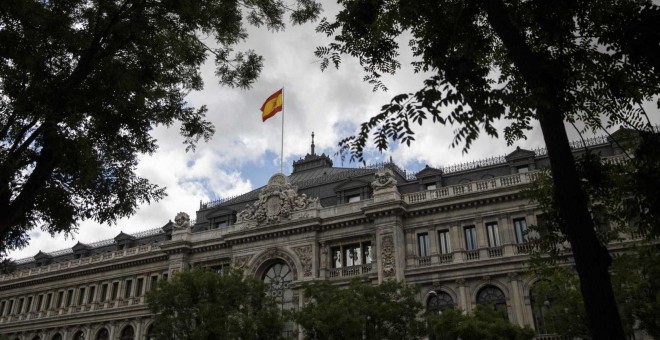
<point x="181" y="221"/>
<point x="384" y="180"/>
<point x="387" y="256"/>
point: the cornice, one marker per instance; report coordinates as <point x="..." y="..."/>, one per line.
<point x="82" y="272"/>
<point x="434" y="207"/>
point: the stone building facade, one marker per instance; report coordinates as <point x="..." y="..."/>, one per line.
<point x="459" y="233"/>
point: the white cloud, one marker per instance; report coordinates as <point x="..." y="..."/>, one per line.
<point x="331" y="103"/>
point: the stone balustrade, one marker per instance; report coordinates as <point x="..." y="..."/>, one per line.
<point x="471" y="187"/>
<point x="82" y="261"/>
<point x="349" y="271"/>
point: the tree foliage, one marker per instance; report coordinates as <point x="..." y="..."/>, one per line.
<point x="604" y="68"/>
<point x="622" y="199"/>
<point x="594" y="62"/>
<point x="622" y="196"/>
<point x="201" y="304"/>
<point x="635" y="277"/>
<point x="484" y="322"/>
<point x="360" y="311"/>
<point x="82" y="83"/>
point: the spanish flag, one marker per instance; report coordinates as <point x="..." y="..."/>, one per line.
<point x="272" y="105"/>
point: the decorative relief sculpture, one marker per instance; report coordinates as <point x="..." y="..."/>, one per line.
<point x="384" y="180"/>
<point x="277" y="201"/>
<point x="181" y="221"/>
<point x="387" y="256"/>
<point x="304" y="254"/>
<point x="272" y="254"/>
<point x="242" y="261"/>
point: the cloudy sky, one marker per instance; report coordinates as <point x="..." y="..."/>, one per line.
<point x="244" y="152"/>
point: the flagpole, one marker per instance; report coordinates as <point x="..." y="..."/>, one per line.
<point x="282" y="134"/>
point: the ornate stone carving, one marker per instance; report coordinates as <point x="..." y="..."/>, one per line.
<point x="271" y="254"/>
<point x="387" y="256"/>
<point x="384" y="180"/>
<point x="277" y="201"/>
<point x="242" y="261"/>
<point x="304" y="254"/>
<point x="181" y="221"/>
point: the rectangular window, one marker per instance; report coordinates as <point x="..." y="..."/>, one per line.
<point x="92" y="292"/>
<point x="443" y="242"/>
<point x="154" y="282"/>
<point x="29" y="304"/>
<point x="9" y="308"/>
<point x="522" y="168"/>
<point x="69" y="298"/>
<point x="353" y="198"/>
<point x="49" y="299"/>
<point x="128" y="292"/>
<point x="81" y="296"/>
<point x="352" y="255"/>
<point x="139" y="289"/>
<point x="59" y="301"/>
<point x="431" y="187"/>
<point x="520" y="225"/>
<point x="19" y="310"/>
<point x="366" y="251"/>
<point x="471" y="237"/>
<point x="165" y="276"/>
<point x="493" y="234"/>
<point x="423" y="244"/>
<point x="336" y="257"/>
<point x="115" y="290"/>
<point x="2" y="308"/>
<point x="221" y="224"/>
<point x="40" y="299"/>
<point x="104" y="293"/>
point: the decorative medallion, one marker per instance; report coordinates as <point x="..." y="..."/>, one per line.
<point x="387" y="256"/>
<point x="304" y="254"/>
<point x="276" y="202"/>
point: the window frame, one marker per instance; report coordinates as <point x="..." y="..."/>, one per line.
<point x="423" y="244"/>
<point x="471" y="242"/>
<point x="444" y="243"/>
<point x="522" y="234"/>
<point x="493" y="234"/>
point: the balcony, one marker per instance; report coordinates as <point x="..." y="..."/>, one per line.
<point x="495" y="252"/>
<point x="424" y="261"/>
<point x="349" y="271"/>
<point x="472" y="187"/>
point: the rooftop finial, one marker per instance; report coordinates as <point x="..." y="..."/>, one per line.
<point x="313" y="143"/>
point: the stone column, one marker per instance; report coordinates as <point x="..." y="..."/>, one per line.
<point x="322" y="263"/>
<point x="463" y="298"/>
<point x="516" y="298"/>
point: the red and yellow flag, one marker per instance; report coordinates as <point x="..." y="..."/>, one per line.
<point x="272" y="105"/>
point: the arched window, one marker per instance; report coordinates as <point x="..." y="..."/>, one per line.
<point x="128" y="333"/>
<point x="278" y="279"/>
<point x="151" y="335"/>
<point x="491" y="295"/>
<point x="540" y="305"/>
<point x="36" y="337"/>
<point x="79" y="336"/>
<point x="439" y="301"/>
<point x="57" y="336"/>
<point x="103" y="334"/>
